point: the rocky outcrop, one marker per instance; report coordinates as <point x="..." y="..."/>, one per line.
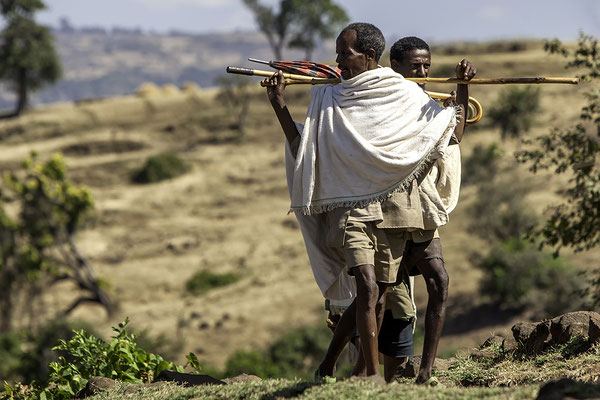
<point x="535" y="337"/>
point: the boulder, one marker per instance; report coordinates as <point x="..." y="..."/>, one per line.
<point x="568" y="389"/>
<point x="509" y="344"/>
<point x="594" y="331"/>
<point x="95" y="385"/>
<point x="567" y="326"/>
<point x="495" y="340"/>
<point x="522" y="330"/>
<point x="534" y="337"/>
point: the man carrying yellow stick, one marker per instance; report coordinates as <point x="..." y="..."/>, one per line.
<point x="364" y="140"/>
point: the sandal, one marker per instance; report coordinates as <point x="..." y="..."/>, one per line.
<point x="432" y="382"/>
<point x="324" y="379"/>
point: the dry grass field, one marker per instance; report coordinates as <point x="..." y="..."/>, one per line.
<point x="229" y="213"/>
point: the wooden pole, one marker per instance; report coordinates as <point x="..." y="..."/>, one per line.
<point x="497" y="81"/>
<point x="295" y="78"/>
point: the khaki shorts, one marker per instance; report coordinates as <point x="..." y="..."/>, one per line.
<point x="364" y="243"/>
<point x="420" y="251"/>
<point x="420" y="235"/>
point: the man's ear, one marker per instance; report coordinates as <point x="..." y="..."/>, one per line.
<point x="370" y="54"/>
<point x="395" y="65"/>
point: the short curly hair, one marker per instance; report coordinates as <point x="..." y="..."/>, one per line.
<point x="403" y="46"/>
<point x="368" y="36"/>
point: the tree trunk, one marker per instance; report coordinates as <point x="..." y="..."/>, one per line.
<point x="309" y="53"/>
<point x="22" y="92"/>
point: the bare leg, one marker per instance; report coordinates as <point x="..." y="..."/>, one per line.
<point x="341" y="336"/>
<point x="436" y="279"/>
<point x="360" y="369"/>
<point x="369" y="302"/>
<point x="390" y="365"/>
<point x="348" y="323"/>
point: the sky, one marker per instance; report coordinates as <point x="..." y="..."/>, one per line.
<point x="434" y="20"/>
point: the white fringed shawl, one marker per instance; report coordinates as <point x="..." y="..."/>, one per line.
<point x="365" y="139"/>
<point x="358" y="108"/>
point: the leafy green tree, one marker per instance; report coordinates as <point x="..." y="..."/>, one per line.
<point x="28" y="59"/>
<point x="273" y="24"/>
<point x="515" y="110"/>
<point x="318" y="19"/>
<point x="297" y="23"/>
<point x="574" y="151"/>
<point x="37" y="245"/>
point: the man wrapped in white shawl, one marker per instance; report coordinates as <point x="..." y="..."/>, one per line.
<point x="362" y="141"/>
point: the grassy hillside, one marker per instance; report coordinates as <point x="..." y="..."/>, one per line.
<point x="228" y="214"/>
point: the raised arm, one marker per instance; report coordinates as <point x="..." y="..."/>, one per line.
<point x="275" y="87"/>
<point x="464" y="70"/>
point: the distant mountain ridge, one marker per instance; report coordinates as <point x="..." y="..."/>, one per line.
<point x="98" y="63"/>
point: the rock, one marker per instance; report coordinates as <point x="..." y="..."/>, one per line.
<point x="188" y="379"/>
<point x="534" y="337"/>
<point x="509" y="344"/>
<point x="568" y="389"/>
<point x="242" y="378"/>
<point x="495" y="340"/>
<point x="522" y="330"/>
<point x="594" y="331"/>
<point x="95" y="385"/>
<point x="569" y="325"/>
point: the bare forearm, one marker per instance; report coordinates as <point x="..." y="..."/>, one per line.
<point x="462" y="100"/>
<point x="285" y="119"/>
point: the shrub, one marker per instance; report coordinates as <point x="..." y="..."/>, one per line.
<point x="161" y="167"/>
<point x="482" y="165"/>
<point x="84" y="356"/>
<point x="121" y="359"/>
<point x="517" y="275"/>
<point x="500" y="213"/>
<point x="515" y="110"/>
<point x="295" y="354"/>
<point x="203" y="281"/>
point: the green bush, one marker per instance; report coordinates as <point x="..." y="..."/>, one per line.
<point x="500" y="213"/>
<point x="121" y="359"/>
<point x="84" y="356"/>
<point x="161" y="167"/>
<point x="203" y="281"/>
<point x="518" y="275"/>
<point x="482" y="165"/>
<point x="295" y="354"/>
<point x="251" y="362"/>
<point x="515" y="110"/>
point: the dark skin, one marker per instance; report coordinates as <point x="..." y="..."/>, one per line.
<point x="416" y="64"/>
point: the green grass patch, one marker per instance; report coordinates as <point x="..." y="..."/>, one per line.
<point x="203" y="281"/>
<point x="161" y="167"/>
<point x="298" y="389"/>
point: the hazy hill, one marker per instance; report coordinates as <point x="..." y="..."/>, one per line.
<point x="102" y="64"/>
